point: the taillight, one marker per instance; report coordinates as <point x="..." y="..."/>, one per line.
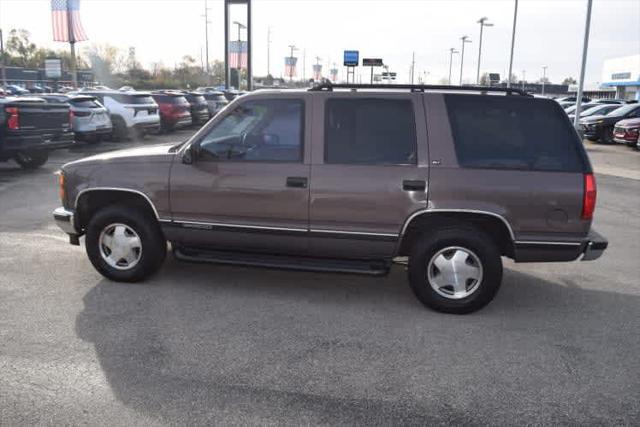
<point x="13" y="118"/>
<point x="589" y="198"/>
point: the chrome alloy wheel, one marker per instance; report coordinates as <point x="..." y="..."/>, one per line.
<point x="454" y="272"/>
<point x="120" y="246"/>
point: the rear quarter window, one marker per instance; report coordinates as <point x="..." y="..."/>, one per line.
<point x="509" y="132"/>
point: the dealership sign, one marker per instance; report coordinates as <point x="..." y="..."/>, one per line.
<point x="351" y="58"/>
<point x="53" y="68"/>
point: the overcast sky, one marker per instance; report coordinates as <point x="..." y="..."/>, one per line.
<point x="548" y="32"/>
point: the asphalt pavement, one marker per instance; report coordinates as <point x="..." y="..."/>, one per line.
<point x="205" y="344"/>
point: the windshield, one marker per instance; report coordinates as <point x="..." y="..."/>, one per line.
<point x="571" y="109"/>
<point x="621" y="111"/>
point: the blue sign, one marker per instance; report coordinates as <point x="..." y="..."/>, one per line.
<point x="351" y="58"/>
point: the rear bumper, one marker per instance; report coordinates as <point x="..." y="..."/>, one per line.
<point x="149" y="126"/>
<point x="592" y="247"/>
<point x="43" y="141"/>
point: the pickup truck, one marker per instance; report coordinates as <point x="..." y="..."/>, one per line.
<point x="30" y="128"/>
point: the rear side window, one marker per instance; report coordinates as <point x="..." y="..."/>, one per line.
<point x="84" y="103"/>
<point x="370" y="131"/>
<point x="131" y="99"/>
<point x="508" y="132"/>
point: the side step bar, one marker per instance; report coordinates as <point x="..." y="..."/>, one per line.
<point x="369" y="267"/>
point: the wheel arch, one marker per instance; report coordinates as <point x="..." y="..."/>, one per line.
<point x="428" y="220"/>
<point x="90" y="200"/>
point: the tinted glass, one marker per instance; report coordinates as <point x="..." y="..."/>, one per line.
<point x="624" y="110"/>
<point x="131" y="99"/>
<point x="85" y="103"/>
<point x="508" y="132"/>
<point x="258" y="131"/>
<point x="370" y="131"/>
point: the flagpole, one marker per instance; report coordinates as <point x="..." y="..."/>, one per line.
<point x="72" y="44"/>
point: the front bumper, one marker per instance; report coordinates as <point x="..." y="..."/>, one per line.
<point x="65" y="219"/>
<point x="594" y="247"/>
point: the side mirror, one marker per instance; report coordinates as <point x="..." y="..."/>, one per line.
<point x="190" y="154"/>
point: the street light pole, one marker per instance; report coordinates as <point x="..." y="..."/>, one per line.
<point x="465" y="40"/>
<point x="544" y="77"/>
<point x="206" y="37"/>
<point x="268" y="51"/>
<point x="523" y="78"/>
<point x="239" y="53"/>
<point x="451" y="52"/>
<point x="585" y="45"/>
<point x="483" y="23"/>
<point x="513" y="41"/>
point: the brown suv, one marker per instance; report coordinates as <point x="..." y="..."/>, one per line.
<point x="349" y="178"/>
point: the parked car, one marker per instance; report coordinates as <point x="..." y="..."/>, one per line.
<point x="15" y="90"/>
<point x="336" y="180"/>
<point x="573" y="99"/>
<point x="595" y="109"/>
<point x="600" y="127"/>
<point x="567" y="104"/>
<point x="215" y="102"/>
<point x="626" y="132"/>
<point x="174" y="110"/>
<point x="90" y="119"/>
<point x="199" y="107"/>
<point x="30" y="128"/>
<point x="231" y="94"/>
<point x="608" y="101"/>
<point x="130" y="112"/>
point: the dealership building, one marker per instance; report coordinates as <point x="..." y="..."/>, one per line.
<point x="623" y="75"/>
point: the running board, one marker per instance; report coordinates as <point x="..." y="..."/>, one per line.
<point x="369" y="267"/>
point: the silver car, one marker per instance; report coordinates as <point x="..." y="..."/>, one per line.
<point x="90" y="119"/>
<point x="216" y="101"/>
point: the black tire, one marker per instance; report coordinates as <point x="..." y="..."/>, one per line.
<point x="606" y="135"/>
<point x="120" y="131"/>
<point x="153" y="243"/>
<point x="29" y="160"/>
<point x="470" y="239"/>
<point x="592" y="138"/>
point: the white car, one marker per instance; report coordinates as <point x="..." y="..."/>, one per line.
<point x="132" y="113"/>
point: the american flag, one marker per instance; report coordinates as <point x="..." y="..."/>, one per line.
<point x="317" y="72"/>
<point x="290" y="66"/>
<point x="238" y="54"/>
<point x="67" y="27"/>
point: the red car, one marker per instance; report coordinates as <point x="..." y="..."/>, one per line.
<point x="627" y="131"/>
<point x="174" y="110"/>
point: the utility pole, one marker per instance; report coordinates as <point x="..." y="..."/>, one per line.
<point x="413" y="66"/>
<point x="451" y="52"/>
<point x="465" y="40"/>
<point x="72" y="44"/>
<point x="513" y="41"/>
<point x="483" y="23"/>
<point x="268" y="51"/>
<point x="4" y="72"/>
<point x="304" y="64"/>
<point x="544" y="77"/>
<point x="585" y="46"/>
<point x="292" y="47"/>
<point x="206" y="37"/>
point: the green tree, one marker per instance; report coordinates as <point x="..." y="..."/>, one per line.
<point x="569" y="81"/>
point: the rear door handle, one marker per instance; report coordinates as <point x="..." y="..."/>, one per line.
<point x="414" y="185"/>
<point x="297" y="181"/>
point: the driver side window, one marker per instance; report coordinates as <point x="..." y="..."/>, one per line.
<point x="258" y="131"/>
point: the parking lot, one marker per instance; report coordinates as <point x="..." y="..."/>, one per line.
<point x="218" y="344"/>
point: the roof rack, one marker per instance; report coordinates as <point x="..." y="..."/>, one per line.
<point x="418" y="88"/>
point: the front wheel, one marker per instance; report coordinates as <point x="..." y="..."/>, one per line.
<point x="455" y="270"/>
<point x="31" y="159"/>
<point x="124" y="244"/>
<point x="606" y="136"/>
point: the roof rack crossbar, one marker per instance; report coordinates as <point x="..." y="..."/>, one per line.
<point x="418" y="88"/>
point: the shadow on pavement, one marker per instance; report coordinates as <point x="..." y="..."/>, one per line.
<point x="229" y="344"/>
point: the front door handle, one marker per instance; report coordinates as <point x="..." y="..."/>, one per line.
<point x="297" y="181"/>
<point x="414" y="185"/>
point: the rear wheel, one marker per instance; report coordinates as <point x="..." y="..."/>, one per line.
<point x="455" y="270"/>
<point x="120" y="131"/>
<point x="125" y="245"/>
<point x="31" y="159"/>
